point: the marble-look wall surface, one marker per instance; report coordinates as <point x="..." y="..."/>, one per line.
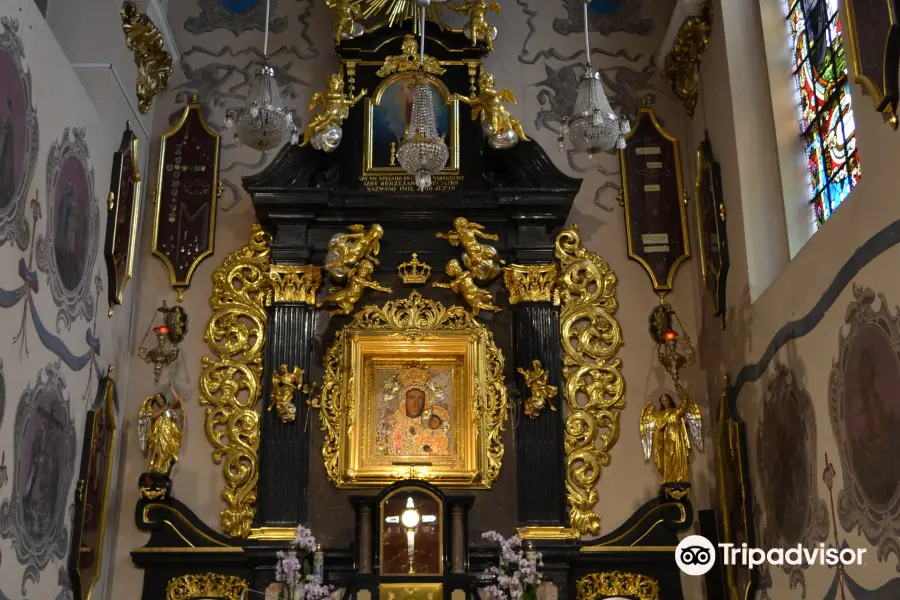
<point x="538" y="54"/>
<point x="58" y="134"/>
<point x="813" y="354"/>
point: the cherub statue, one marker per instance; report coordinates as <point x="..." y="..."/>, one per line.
<point x="284" y="383"/>
<point x="160" y="427"/>
<point x="488" y="104"/>
<point x="154" y="64"/>
<point x="667" y="434"/>
<point x="477" y="28"/>
<point x="345" y="250"/>
<point x="464" y="284"/>
<point x="357" y="281"/>
<point x="537" y="380"/>
<point x="335" y="108"/>
<point x="345" y="25"/>
<point x="479" y="258"/>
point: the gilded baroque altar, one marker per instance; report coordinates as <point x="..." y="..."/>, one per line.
<point x="334" y="389"/>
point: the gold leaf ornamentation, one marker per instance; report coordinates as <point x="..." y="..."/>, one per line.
<point x="413" y="319"/>
<point x="153" y="63"/>
<point x="207" y="585"/>
<point x="531" y="283"/>
<point x="230" y="381"/>
<point x="295" y="283"/>
<point x="682" y="63"/>
<point x="617" y="583"/>
<point x="594" y="386"/>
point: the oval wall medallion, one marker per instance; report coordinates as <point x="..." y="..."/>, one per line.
<point x="68" y="249"/>
<point x="794" y="512"/>
<point x="35" y="515"/>
<point x="864" y="408"/>
<point x="18" y="136"/>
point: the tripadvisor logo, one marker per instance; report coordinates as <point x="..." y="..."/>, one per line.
<point x="696" y="555"/>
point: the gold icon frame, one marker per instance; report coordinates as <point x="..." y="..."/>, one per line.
<point x="416" y="331"/>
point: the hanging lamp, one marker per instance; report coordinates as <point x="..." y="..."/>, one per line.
<point x="593" y="127"/>
<point x="264" y="122"/>
<point x="422" y="152"/>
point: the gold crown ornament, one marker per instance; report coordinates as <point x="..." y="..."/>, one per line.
<point x="414" y="272"/>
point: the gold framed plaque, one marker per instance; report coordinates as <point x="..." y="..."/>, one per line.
<point x="413" y="390"/>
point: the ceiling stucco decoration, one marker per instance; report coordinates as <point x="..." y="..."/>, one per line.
<point x="214" y="15"/>
<point x="605" y="17"/>
<point x="18" y="136"/>
<point x="68" y="249"/>
<point x="35" y="516"/>
<point x="864" y="410"/>
<point x="794" y="512"/>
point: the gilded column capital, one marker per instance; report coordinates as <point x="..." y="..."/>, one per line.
<point x="531" y="283"/>
<point x="295" y="283"/>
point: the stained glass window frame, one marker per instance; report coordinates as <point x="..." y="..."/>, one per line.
<point x="824" y="105"/>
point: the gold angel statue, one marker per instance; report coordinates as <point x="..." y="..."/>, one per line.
<point x="346" y="26"/>
<point x="667" y="436"/>
<point x="154" y="64"/>
<point x="346" y="250"/>
<point x="346" y="298"/>
<point x="324" y="130"/>
<point x="464" y="284"/>
<point x="503" y="130"/>
<point x="160" y="427"/>
<point x="482" y="259"/>
<point x="542" y="393"/>
<point x="477" y="27"/>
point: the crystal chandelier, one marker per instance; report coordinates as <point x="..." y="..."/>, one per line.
<point x="264" y="122"/>
<point x="593" y="127"/>
<point x="422" y="152"/>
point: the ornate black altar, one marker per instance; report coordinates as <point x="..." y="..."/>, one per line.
<point x="302" y="199"/>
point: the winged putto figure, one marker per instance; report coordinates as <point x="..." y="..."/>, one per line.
<point x="482" y="259"/>
<point x="160" y="427"/>
<point x="669" y="434"/>
<point x="346" y="250"/>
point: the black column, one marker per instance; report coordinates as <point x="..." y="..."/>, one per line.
<point x="283" y="490"/>
<point x="540" y="450"/>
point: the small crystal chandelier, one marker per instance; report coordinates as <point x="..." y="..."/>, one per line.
<point x="265" y="121"/>
<point x="593" y="127"/>
<point x="422" y="152"/>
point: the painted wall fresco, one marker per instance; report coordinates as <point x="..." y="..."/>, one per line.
<point x="56" y="345"/>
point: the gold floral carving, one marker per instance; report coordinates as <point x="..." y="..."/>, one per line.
<point x="154" y="64"/>
<point x="594" y="386"/>
<point x="542" y="393"/>
<point x="409" y="60"/>
<point x="531" y="283"/>
<point x="284" y="384"/>
<point x="420" y="320"/>
<point x="230" y="381"/>
<point x="616" y="583"/>
<point x="207" y="585"/>
<point x="295" y="283"/>
<point x="682" y="65"/>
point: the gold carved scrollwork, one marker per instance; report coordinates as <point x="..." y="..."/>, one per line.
<point x="542" y="393"/>
<point x="616" y="583"/>
<point x="594" y="386"/>
<point x="295" y="283"/>
<point x="413" y="319"/>
<point x="154" y="64"/>
<point x="230" y="381"/>
<point x="409" y="60"/>
<point x="207" y="585"/>
<point x="682" y="66"/>
<point x="531" y="283"/>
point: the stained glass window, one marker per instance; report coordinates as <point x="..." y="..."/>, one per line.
<point x="823" y="98"/>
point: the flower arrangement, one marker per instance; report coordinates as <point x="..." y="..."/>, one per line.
<point x="517" y="577"/>
<point x="300" y="578"/>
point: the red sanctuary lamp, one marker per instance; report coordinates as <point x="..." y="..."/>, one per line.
<point x="164" y="353"/>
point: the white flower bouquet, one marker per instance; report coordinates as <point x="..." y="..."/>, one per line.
<point x="517" y="577"/>
<point x="295" y="570"/>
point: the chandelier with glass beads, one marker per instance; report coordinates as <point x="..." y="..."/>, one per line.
<point x="422" y="152"/>
<point x="593" y="127"/>
<point x="264" y="122"/>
